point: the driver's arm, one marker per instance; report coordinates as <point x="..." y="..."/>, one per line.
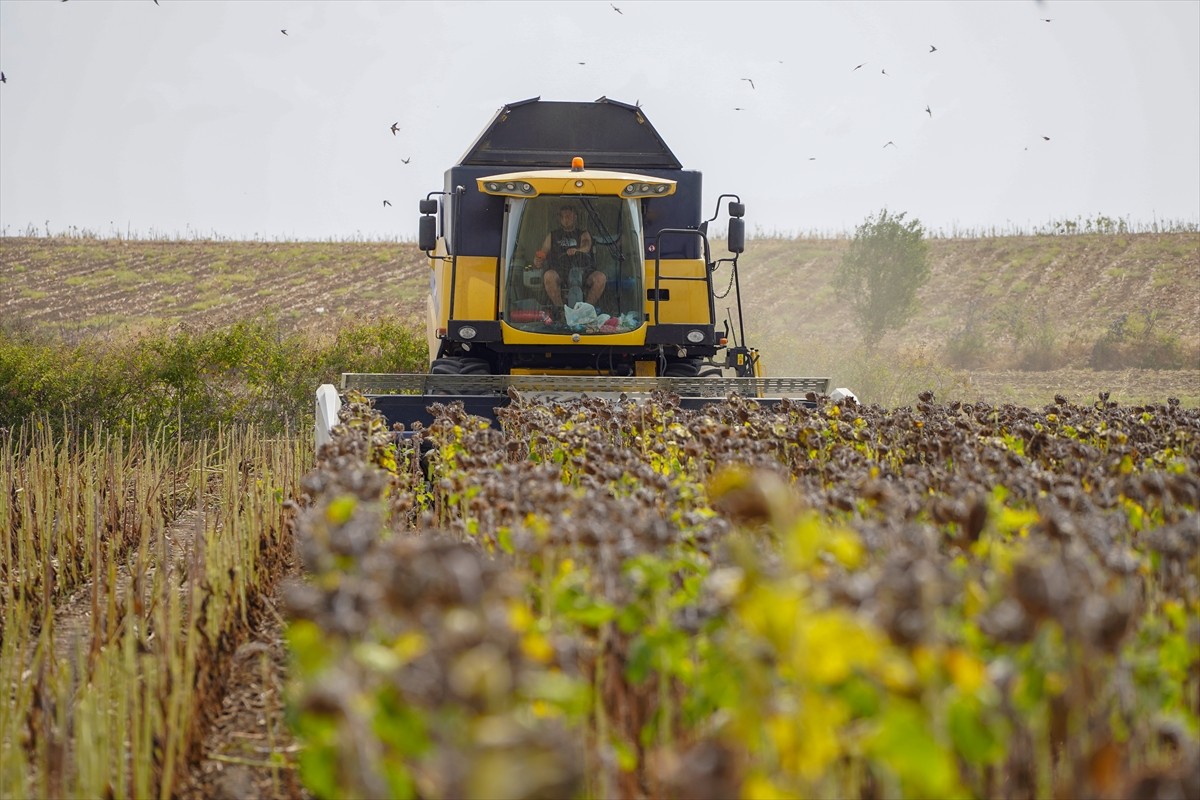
<point x="585" y="242"/>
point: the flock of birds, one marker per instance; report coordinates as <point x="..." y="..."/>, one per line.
<point x="883" y="71"/>
<point x="395" y="127"/>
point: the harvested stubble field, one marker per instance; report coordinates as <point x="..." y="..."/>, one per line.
<point x="934" y="596"/>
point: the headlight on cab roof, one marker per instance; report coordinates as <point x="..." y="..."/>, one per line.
<point x="645" y="190"/>
<point x="640" y="189"/>
<point x="510" y="187"/>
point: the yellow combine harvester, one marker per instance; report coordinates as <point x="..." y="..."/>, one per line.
<point x="568" y="255"/>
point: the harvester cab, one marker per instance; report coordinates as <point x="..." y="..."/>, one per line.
<point x="569" y="254"/>
<point x="569" y="241"/>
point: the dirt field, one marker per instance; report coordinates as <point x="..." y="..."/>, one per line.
<point x="1081" y="386"/>
<point x="1043" y="299"/>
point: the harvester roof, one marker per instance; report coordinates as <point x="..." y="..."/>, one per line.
<point x="535" y="133"/>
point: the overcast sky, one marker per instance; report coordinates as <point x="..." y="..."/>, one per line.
<point x="196" y="117"/>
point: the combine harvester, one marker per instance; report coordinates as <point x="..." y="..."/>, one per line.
<point x="638" y="309"/>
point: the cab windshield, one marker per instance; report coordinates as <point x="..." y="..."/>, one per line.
<point x="573" y="264"/>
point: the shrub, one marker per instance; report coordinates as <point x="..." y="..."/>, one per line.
<point x="1039" y="350"/>
<point x="881" y="272"/>
<point x="194" y="382"/>
<point x="1131" y="342"/>
<point x="968" y="348"/>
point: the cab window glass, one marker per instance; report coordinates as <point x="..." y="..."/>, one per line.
<point x="593" y="246"/>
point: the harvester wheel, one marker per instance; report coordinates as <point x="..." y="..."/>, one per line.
<point x="446" y="366"/>
<point x="682" y="369"/>
<point x="475" y="366"/>
<point x="460" y="366"/>
<point x="451" y="365"/>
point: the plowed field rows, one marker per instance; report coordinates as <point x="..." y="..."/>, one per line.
<point x="1061" y="293"/>
<point x="80" y="288"/>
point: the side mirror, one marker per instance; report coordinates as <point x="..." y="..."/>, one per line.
<point x="429" y="206"/>
<point x="737" y="210"/>
<point x="737" y="234"/>
<point x="427" y="232"/>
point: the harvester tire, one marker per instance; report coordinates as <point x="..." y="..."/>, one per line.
<point x="452" y="365"/>
<point x="475" y="366"/>
<point x="446" y="366"/>
<point x="681" y="369"/>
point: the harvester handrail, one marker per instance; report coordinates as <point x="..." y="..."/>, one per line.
<point x="659" y="277"/>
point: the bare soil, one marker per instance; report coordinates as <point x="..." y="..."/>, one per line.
<point x="1083" y="386"/>
<point x="77" y="289"/>
<point x="1068" y="289"/>
<point x="1036" y="304"/>
<point x="1072" y="289"/>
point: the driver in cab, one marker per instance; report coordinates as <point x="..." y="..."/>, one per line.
<point x="565" y="247"/>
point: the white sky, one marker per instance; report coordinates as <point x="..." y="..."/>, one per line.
<point x="198" y="117"/>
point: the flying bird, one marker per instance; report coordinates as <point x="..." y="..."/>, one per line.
<point x="614" y="8"/>
<point x="581" y="63"/>
<point x="386" y="203"/>
<point x="406" y="160"/>
<point x="1047" y="20"/>
<point x="883" y="72"/>
<point x="2" y="78"/>
<point x="1047" y="138"/>
<point x="932" y="49"/>
<point x="283" y="31"/>
<point x="749" y="81"/>
<point x="738" y="108"/>
<point x="860" y="66"/>
<point x="395" y="127"/>
<point x="928" y="111"/>
<point x="890" y="144"/>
